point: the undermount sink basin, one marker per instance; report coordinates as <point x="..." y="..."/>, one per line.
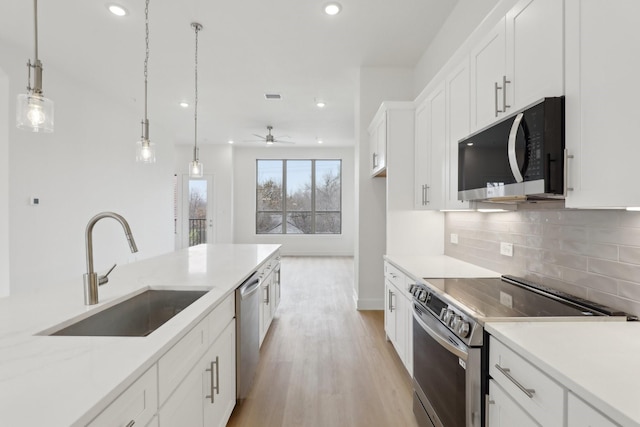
<point x="137" y="316"/>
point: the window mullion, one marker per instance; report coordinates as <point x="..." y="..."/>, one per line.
<point x="284" y="197"/>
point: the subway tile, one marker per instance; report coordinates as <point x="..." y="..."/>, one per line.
<point x="594" y="250"/>
<point x="590" y="280"/>
<point x="629" y="219"/>
<point x="629" y="254"/>
<point x="620" y="236"/>
<point x="548" y="270"/>
<point x="629" y="290"/>
<point x="559" y="285"/>
<point x="567" y="232"/>
<point x="525" y="228"/>
<point x="615" y="301"/>
<point x="565" y="259"/>
<point x="628" y="272"/>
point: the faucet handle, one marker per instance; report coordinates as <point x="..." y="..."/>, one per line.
<point x="104" y="279"/>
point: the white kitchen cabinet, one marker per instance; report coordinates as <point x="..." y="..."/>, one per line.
<point x="270" y="294"/>
<point x="207" y="395"/>
<point x="504" y="411"/>
<point x="518" y="62"/>
<point x="430" y="149"/>
<point x="602" y="91"/>
<point x="378" y="144"/>
<point x="397" y="317"/>
<point x="581" y="414"/>
<point x="458" y="127"/>
<point x="267" y="313"/>
<point x="137" y="404"/>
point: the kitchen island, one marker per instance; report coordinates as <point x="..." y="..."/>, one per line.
<point x="63" y="380"/>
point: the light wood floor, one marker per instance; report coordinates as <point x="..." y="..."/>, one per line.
<point x="322" y="362"/>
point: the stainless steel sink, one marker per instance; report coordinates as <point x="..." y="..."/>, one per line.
<point x="137" y="316"/>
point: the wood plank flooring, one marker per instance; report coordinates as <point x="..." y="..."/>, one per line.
<point x="323" y="363"/>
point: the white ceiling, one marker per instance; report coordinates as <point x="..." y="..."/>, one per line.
<point x="246" y="48"/>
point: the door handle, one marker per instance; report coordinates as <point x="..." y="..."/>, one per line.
<point x="513" y="160"/>
<point x="496" y="88"/>
<point x="567" y="156"/>
<point x="504" y="94"/>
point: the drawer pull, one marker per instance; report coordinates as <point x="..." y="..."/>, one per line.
<point x="506" y="372"/>
<point x="215" y="387"/>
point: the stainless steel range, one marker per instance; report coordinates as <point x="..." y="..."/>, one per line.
<point x="449" y="351"/>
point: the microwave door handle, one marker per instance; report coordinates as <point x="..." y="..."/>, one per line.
<point x="513" y="160"/>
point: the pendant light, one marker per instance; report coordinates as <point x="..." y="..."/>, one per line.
<point x="195" y="167"/>
<point x="145" y="149"/>
<point x="34" y="112"/>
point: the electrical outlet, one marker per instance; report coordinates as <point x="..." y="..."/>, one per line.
<point x="506" y="249"/>
<point x="454" y="238"/>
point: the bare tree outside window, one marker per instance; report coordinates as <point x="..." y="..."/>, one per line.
<point x="312" y="201"/>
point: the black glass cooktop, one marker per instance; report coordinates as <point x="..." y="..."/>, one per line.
<point x="515" y="297"/>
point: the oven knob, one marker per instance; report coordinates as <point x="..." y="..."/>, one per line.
<point x="411" y="289"/>
<point x="423" y="296"/>
<point x="463" y="329"/>
<point x="447" y="316"/>
<point x="455" y="321"/>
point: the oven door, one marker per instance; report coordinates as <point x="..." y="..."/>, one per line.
<point x="446" y="375"/>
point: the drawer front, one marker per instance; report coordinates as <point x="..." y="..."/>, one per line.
<point x="221" y="316"/>
<point x="138" y="403"/>
<point x="581" y="414"/>
<point x="519" y="377"/>
<point x="395" y="276"/>
<point x="179" y="360"/>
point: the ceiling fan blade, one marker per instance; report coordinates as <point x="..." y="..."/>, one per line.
<point x="259" y="136"/>
<point x="253" y="140"/>
<point x="283" y="142"/>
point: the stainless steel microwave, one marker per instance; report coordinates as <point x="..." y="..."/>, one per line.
<point x="520" y="157"/>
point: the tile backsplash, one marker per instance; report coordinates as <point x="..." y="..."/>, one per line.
<point x="588" y="253"/>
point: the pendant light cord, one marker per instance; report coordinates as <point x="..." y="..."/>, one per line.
<point x="197" y="28"/>
<point x="35" y="21"/>
<point x="146" y="57"/>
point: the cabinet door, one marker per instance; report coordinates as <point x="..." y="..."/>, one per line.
<point x="207" y="394"/>
<point x="458" y="127"/>
<point x="488" y="70"/>
<point x="430" y="141"/>
<point x="504" y="411"/>
<point x="378" y="145"/>
<point x="220" y="380"/>
<point x="602" y="109"/>
<point x="534" y="52"/>
<point x="581" y="414"/>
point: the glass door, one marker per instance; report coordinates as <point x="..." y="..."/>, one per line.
<point x="197" y="211"/>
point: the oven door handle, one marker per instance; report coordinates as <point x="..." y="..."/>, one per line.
<point x="440" y="340"/>
<point x="511" y="148"/>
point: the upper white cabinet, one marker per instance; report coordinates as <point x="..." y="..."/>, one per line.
<point x="518" y="62"/>
<point x="430" y="148"/>
<point x="378" y="144"/>
<point x="602" y="90"/>
<point x="458" y="126"/>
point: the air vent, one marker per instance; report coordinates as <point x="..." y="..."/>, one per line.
<point x="272" y="96"/>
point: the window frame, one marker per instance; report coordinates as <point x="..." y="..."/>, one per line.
<point x="284" y="211"/>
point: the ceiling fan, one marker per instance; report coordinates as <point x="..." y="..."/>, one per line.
<point x="270" y="139"/>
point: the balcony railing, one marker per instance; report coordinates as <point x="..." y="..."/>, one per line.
<point x="197" y="231"/>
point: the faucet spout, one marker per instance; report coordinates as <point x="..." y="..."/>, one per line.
<point x="91" y="279"/>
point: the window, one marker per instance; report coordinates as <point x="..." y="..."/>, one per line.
<point x="299" y="197"/>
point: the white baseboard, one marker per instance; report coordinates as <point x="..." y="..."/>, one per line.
<point x="369" y="303"/>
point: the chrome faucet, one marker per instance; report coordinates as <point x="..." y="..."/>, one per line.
<point x="91" y="278"/>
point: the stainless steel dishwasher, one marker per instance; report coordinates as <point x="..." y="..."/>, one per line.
<point x="247" y="334"/>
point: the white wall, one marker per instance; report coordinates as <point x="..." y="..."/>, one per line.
<point x="4" y="184"/>
<point x="244" y="172"/>
<point x="375" y="86"/>
<point x="86" y="166"/>
<point x="217" y="161"/>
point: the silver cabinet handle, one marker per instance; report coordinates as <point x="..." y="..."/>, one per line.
<point x="506" y="372"/>
<point x="504" y="94"/>
<point x="390" y="301"/>
<point x="375" y="158"/>
<point x="130" y="423"/>
<point x="496" y="88"/>
<point x="215" y="379"/>
<point x="266" y="298"/>
<point x="426" y="195"/>
<point x="487" y="402"/>
<point x="567" y="156"/>
<point x="511" y="148"/>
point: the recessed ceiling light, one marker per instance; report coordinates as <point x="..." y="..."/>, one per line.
<point x="320" y="103"/>
<point x="184" y="104"/>
<point x="231" y="141"/>
<point x="320" y="141"/>
<point x="332" y="8"/>
<point x="117" y="10"/>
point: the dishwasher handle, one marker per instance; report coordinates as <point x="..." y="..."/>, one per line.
<point x="250" y="286"/>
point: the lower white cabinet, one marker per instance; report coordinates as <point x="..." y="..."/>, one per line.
<point x="207" y="395"/>
<point x="137" y="404"/>
<point x="581" y="414"/>
<point x="270" y="294"/>
<point x="398" y="314"/>
<point x="504" y="411"/>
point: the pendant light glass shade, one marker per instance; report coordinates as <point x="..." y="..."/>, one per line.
<point x="34" y="112"/>
<point x="196" y="169"/>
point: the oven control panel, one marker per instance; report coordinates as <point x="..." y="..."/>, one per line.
<point x="453" y="318"/>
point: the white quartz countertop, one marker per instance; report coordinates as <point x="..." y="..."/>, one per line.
<point x="63" y="381"/>
<point x="597" y="361"/>
<point x="437" y="267"/>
